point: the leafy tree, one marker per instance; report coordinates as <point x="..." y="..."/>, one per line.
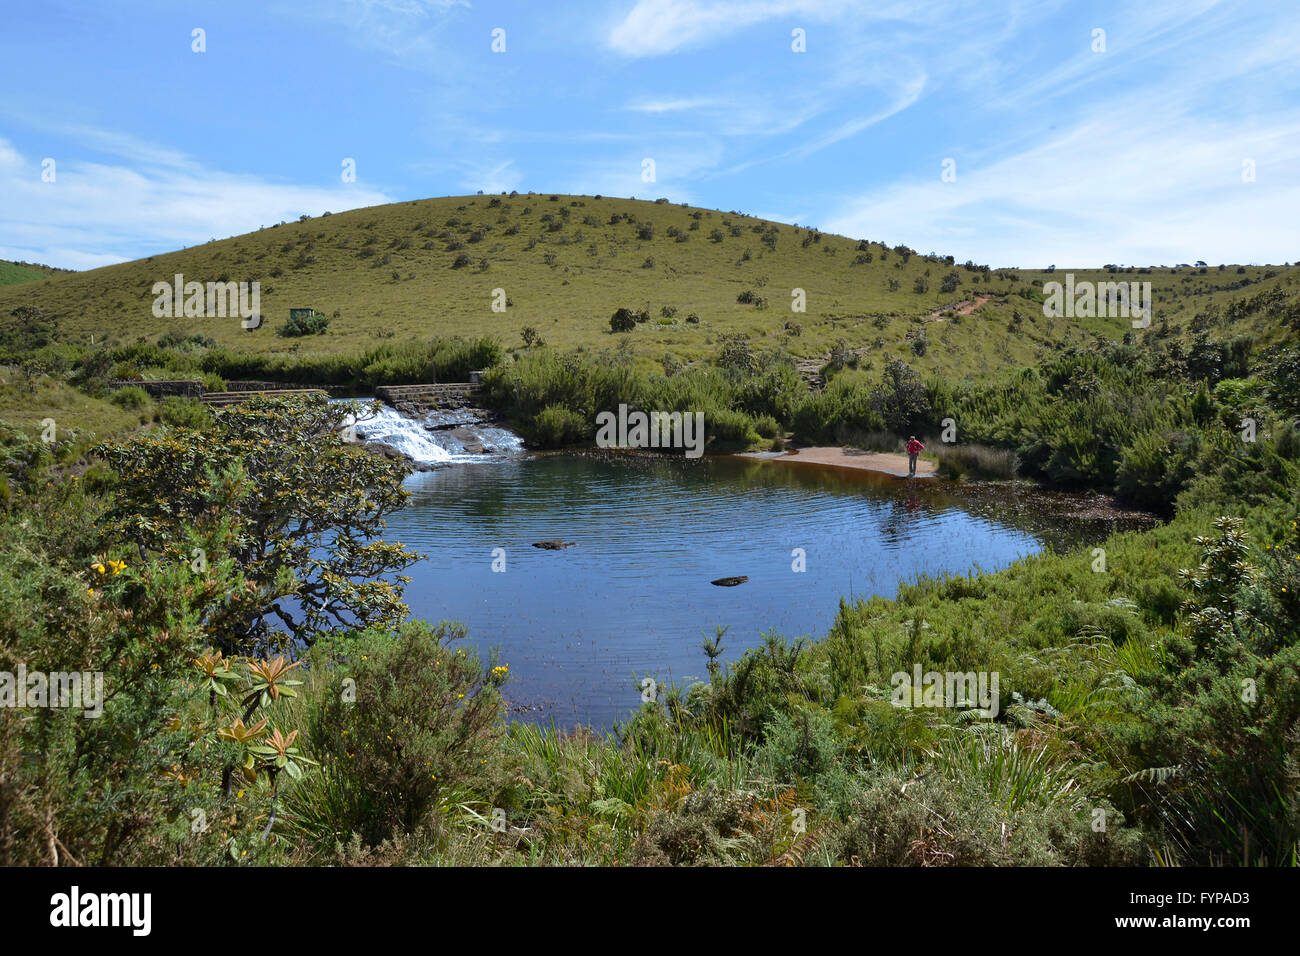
<point x="306" y="507"/>
<point x="900" y="397"/>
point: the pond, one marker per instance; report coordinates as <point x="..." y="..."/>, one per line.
<point x="632" y="597"/>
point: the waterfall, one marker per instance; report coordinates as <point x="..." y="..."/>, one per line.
<point x="438" y="437"/>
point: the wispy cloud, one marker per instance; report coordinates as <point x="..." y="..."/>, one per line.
<point x="95" y="213"/>
<point x="1115" y="188"/>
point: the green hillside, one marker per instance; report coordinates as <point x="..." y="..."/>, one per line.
<point x="12" y="273"/>
<point x="566" y="263"/>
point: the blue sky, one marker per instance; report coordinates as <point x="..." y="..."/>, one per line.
<point x="1062" y="154"/>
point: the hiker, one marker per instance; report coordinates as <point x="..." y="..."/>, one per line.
<point x="914" y="448"/>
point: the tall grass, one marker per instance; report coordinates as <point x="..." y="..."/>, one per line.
<point x="975" y="461"/>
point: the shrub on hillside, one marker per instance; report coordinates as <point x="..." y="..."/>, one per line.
<point x="317" y="323"/>
<point x="132" y="396"/>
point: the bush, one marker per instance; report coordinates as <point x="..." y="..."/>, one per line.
<point x="23" y="457"/>
<point x="423" y="729"/>
<point x="767" y="426"/>
<point x="623" y="320"/>
<point x="132" y="396"/>
<point x="556" y="426"/>
<point x="729" y="427"/>
<point x="316" y="323"/>
<point x="184" y="412"/>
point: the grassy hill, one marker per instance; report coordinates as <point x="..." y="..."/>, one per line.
<point x="566" y="263"/>
<point x="12" y="273"/>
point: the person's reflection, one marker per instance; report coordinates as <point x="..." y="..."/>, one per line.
<point x="906" y="508"/>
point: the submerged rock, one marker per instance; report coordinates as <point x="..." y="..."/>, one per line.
<point x="555" y="544"/>
<point x="730" y="582"/>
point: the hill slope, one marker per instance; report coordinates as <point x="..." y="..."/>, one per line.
<point x="12" y="273"/>
<point x="565" y="263"/>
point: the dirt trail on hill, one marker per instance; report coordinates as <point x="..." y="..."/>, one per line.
<point x="965" y="307"/>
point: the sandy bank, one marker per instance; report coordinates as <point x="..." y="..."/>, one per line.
<point x="884" y="462"/>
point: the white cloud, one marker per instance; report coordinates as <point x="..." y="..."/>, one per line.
<point x="679" y="105"/>
<point x="1118" y="187"/>
<point x="98" y="212"/>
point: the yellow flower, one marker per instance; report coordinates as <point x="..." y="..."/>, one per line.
<point x="98" y="567"/>
<point x="90" y="591"/>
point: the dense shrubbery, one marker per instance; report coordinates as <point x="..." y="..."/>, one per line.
<point x="317" y="323"/>
<point x="555" y="399"/>
<point x="435" y="360"/>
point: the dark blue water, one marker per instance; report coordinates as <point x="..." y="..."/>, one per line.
<point x="580" y="627"/>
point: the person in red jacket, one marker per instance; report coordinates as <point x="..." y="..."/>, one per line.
<point x="914" y="448"/>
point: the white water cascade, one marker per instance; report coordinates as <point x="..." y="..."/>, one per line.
<point x="438" y="437"/>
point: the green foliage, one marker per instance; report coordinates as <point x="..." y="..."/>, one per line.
<point x="308" y="505"/>
<point x="131" y="396"/>
<point x="402" y="723"/>
<point x="24" y="458"/>
<point x="556" y="426"/>
<point x="317" y="323"/>
<point x="184" y="412"/>
<point x="116" y="786"/>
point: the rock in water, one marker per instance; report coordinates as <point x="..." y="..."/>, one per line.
<point x="730" y="582"/>
<point x="555" y="544"/>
